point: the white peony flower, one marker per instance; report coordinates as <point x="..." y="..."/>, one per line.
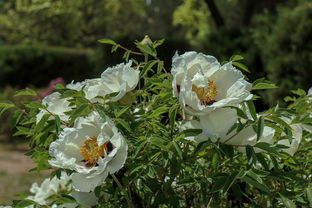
<point x="93" y="148"/>
<point x="55" y="105"/>
<point x="203" y="85"/>
<point x="50" y="187"/>
<point x="120" y="78"/>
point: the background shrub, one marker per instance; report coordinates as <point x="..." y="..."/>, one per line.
<point x="38" y="65"/>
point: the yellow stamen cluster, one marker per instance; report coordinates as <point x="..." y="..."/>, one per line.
<point x="208" y="95"/>
<point x="91" y="151"/>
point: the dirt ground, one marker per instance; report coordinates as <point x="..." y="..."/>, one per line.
<point x="15" y="178"/>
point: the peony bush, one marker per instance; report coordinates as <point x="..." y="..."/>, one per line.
<point x="145" y="136"/>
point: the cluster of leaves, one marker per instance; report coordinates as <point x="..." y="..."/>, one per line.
<point x="164" y="168"/>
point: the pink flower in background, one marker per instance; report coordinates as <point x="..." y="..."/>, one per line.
<point x="48" y="90"/>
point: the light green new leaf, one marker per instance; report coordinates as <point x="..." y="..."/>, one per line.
<point x="107" y="41"/>
<point x="146" y="49"/>
<point x="262" y="84"/>
<point x="241" y="66"/>
<point x="236" y="58"/>
<point x="26" y="91"/>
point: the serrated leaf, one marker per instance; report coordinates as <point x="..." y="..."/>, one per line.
<point x="107" y="41"/>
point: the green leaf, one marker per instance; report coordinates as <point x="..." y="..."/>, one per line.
<point x="230" y="180"/>
<point x="17" y="115"/>
<point x="114" y="48"/>
<point x="236" y="58"/>
<point x="299" y="92"/>
<point x="22" y="203"/>
<point x="159" y="142"/>
<point x="122" y="111"/>
<point x="252" y="109"/>
<point x="41" y="123"/>
<point x="260" y="127"/>
<point x="178" y="149"/>
<point x="309" y="195"/>
<point x="57" y="123"/>
<point x="158" y="43"/>
<point x="158" y="111"/>
<point x="172" y="116"/>
<point x="266" y="146"/>
<point x="262" y="84"/>
<point x="147" y="49"/>
<point x="215" y="161"/>
<point x="107" y="41"/>
<point x="126" y="55"/>
<point x="250" y="154"/>
<point x="147" y="67"/>
<point x="124" y="124"/>
<point x="287" y="202"/>
<point x="5" y="106"/>
<point x="26" y="91"/>
<point x="219" y="184"/>
<point x="256" y="184"/>
<point x="190" y="132"/>
<point x="241" y="66"/>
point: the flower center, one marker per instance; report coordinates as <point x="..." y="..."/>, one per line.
<point x="208" y="95"/>
<point x="91" y="151"/>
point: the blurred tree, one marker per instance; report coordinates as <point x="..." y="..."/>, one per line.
<point x="69" y="23"/>
<point x="285" y="44"/>
<point x="193" y="15"/>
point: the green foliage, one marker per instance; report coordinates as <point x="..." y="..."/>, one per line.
<point x="285" y="45"/>
<point x="38" y="65"/>
<point x="164" y="168"/>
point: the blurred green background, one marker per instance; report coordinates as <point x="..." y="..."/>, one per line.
<point x="41" y="40"/>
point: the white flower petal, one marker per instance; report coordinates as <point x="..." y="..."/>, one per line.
<point x="85" y="198"/>
<point x="84" y="184"/>
<point x="55" y="105"/>
<point x="218" y="122"/>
